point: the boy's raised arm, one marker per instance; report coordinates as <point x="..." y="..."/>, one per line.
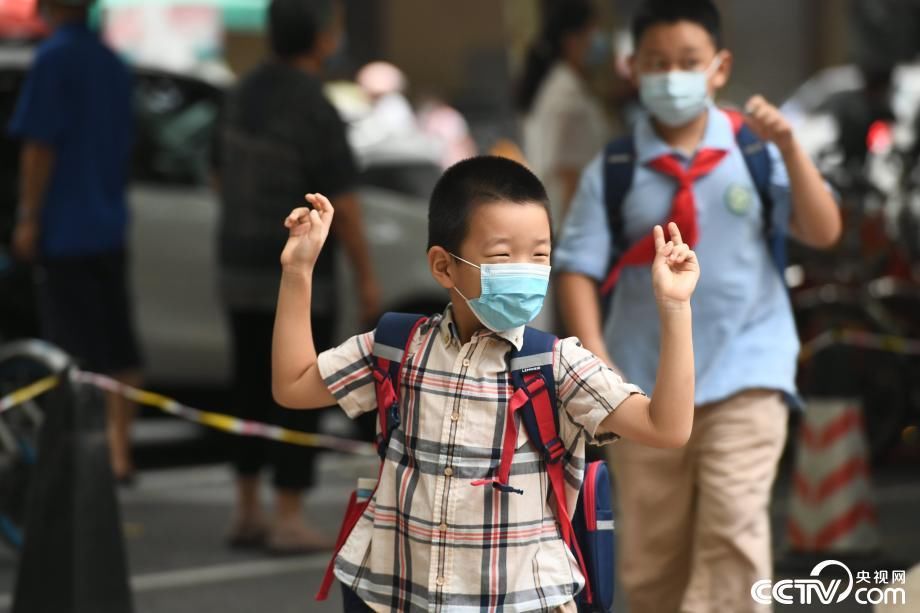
<point x="816" y="220"/>
<point x="581" y="311"/>
<point x="296" y="382"/>
<point x="666" y="419"/>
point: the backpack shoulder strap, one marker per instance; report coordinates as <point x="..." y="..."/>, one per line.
<point x="760" y="167"/>
<point x="619" y="169"/>
<point x="533" y="401"/>
<point x="392" y="337"/>
<point x="534" y="382"/>
<point x="534" y="398"/>
<point x="755" y="153"/>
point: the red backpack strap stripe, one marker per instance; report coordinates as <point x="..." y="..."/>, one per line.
<point x="392" y="340"/>
<point x="736" y="118"/>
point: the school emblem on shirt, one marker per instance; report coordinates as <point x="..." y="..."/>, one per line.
<point x="739" y="199"/>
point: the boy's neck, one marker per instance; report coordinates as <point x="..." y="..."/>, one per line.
<point x="309" y="63"/>
<point x="685" y="138"/>
<point x="467" y="324"/>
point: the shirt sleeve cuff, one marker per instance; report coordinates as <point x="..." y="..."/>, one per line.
<point x="350" y="403"/>
<point x="595" y="434"/>
<point x="572" y="263"/>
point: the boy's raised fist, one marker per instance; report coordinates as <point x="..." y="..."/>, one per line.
<point x="769" y="123"/>
<point x="308" y="228"/>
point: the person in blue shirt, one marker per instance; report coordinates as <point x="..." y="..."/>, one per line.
<point x="75" y="122"/>
<point x="693" y="522"/>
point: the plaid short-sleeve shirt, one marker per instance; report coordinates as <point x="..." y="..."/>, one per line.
<point x="430" y="540"/>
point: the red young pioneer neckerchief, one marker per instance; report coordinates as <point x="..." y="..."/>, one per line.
<point x="683" y="208"/>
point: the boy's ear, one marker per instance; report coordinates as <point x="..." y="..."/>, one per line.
<point x="724" y="72"/>
<point x="440" y="263"/>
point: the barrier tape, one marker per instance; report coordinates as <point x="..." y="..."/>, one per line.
<point x="861" y="340"/>
<point x="217" y="421"/>
<point x="243" y="427"/>
<point x="27" y="393"/>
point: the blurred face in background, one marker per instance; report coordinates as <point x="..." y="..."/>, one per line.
<point x="55" y="13"/>
<point x="681" y="46"/>
<point x="678" y="69"/>
<point x="587" y="48"/>
<point x="329" y="41"/>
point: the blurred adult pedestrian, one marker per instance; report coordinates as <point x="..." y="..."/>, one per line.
<point x="280" y="139"/>
<point x="75" y="121"/>
<point x="564" y="124"/>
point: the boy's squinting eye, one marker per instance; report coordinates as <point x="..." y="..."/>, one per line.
<point x="655" y="64"/>
<point x="691" y="63"/>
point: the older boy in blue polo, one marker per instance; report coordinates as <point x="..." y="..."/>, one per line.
<point x="694" y="530"/>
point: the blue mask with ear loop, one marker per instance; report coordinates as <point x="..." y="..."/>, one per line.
<point x="511" y="296"/>
<point x="678" y="97"/>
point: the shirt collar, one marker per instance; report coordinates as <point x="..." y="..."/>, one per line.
<point x="72" y="27"/>
<point x="649" y="146"/>
<point x="449" y="333"/>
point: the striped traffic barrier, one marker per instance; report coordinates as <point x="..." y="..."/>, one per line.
<point x="831" y="509"/>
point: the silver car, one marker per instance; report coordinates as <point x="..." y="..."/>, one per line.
<point x="180" y="320"/>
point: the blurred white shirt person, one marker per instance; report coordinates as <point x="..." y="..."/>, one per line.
<point x="563" y="123"/>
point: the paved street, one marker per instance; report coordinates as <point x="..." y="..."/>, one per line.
<point x="174" y="522"/>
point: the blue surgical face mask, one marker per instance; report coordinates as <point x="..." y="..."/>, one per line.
<point x="511" y="296"/>
<point x="600" y="52"/>
<point x="678" y="97"/>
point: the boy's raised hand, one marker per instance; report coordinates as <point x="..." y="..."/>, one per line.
<point x="675" y="269"/>
<point x="309" y="227"/>
<point x="769" y="123"/>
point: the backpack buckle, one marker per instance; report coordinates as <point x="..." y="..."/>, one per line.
<point x="555" y="451"/>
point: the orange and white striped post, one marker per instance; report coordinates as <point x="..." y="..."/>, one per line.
<point x="831" y="508"/>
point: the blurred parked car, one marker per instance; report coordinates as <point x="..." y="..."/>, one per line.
<point x="180" y="320"/>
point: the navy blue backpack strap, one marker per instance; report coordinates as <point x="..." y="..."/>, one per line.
<point x="619" y="169"/>
<point x="532" y="371"/>
<point x="391" y="341"/>
<point x="760" y="167"/>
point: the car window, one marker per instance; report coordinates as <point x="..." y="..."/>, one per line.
<point x="175" y="119"/>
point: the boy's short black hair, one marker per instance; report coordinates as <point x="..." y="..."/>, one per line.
<point x="701" y="12"/>
<point x="293" y="25"/>
<point x="473" y="182"/>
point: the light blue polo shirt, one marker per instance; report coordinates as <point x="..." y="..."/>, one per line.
<point x="744" y="335"/>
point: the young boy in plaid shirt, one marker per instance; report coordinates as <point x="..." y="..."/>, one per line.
<point x="430" y="540"/>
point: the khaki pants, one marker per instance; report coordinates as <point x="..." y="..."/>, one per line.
<point x="693" y="530"/>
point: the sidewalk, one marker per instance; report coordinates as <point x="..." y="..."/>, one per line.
<point x="174" y="522"/>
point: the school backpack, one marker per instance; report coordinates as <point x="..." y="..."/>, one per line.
<point x="589" y="534"/>
<point x="619" y="168"/>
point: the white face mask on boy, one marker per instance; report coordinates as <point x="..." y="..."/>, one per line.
<point x="677" y="97"/>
